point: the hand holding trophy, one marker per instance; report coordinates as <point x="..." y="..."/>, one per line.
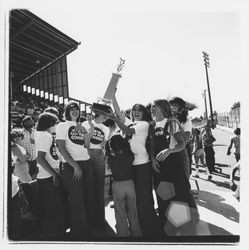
<point x="104" y="107"/>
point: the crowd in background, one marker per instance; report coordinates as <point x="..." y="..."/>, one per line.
<point x="148" y="150"/>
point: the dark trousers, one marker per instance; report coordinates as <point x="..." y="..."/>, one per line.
<point x="51" y="209"/>
<point x="81" y="198"/>
<point x="14" y="217"/>
<point x="237" y="156"/>
<point x="210" y="160"/>
<point x="148" y="219"/>
<point x="189" y="151"/>
<point x="33" y="169"/>
<point x="98" y="164"/>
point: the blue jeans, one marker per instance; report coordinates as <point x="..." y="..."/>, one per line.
<point x="98" y="165"/>
<point x="125" y="208"/>
<point x="81" y="198"/>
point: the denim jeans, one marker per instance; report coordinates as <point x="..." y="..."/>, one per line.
<point x="81" y="198"/>
<point x="125" y="208"/>
<point x="98" y="165"/>
<point x="52" y="209"/>
<point x="148" y="219"/>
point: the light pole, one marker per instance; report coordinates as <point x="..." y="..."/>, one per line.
<point x="205" y="101"/>
<point x="206" y="63"/>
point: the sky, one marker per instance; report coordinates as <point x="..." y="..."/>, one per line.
<point x="162" y="46"/>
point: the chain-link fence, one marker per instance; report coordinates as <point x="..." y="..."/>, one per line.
<point x="229" y="119"/>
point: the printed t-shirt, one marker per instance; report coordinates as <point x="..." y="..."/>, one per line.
<point x="159" y="128"/>
<point x="74" y="140"/>
<point x="45" y="143"/>
<point x="100" y="134"/>
<point x="137" y="141"/>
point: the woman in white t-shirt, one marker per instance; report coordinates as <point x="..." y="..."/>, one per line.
<point x="49" y="179"/>
<point x="77" y="173"/>
<point x="97" y="142"/>
<point x="136" y="131"/>
<point x="180" y="112"/>
<point x="176" y="206"/>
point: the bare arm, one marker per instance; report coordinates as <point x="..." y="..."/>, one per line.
<point x="117" y="110"/>
<point x="161" y="156"/>
<point x="68" y="158"/>
<point x="127" y="130"/>
<point x="17" y="152"/>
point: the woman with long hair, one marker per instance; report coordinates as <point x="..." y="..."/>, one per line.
<point x="176" y="206"/>
<point x="180" y="112"/>
<point x="136" y="131"/>
<point x="73" y="143"/>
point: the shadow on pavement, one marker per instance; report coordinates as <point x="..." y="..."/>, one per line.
<point x="215" y="230"/>
<point x="215" y="203"/>
<point x="221" y="184"/>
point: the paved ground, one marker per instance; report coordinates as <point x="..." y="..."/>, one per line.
<point x="219" y="209"/>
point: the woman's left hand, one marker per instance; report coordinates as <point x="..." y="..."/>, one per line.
<point x="161" y="156"/>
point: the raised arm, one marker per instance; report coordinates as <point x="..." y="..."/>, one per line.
<point x="127" y="130"/>
<point x="117" y="110"/>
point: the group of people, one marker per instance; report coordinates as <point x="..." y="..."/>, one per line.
<point x="148" y="152"/>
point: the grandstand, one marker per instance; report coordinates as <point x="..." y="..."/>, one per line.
<point x="38" y="65"/>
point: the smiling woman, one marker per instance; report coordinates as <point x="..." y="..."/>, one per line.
<point x="77" y="170"/>
<point x="136" y="131"/>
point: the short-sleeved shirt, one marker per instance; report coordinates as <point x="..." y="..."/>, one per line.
<point x="137" y="141"/>
<point x="121" y="167"/>
<point x="45" y="143"/>
<point x="74" y="140"/>
<point x="100" y="134"/>
<point x="159" y="131"/>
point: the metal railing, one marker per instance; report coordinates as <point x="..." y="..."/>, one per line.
<point x="229" y="119"/>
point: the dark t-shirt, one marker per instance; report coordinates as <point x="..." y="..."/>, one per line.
<point x="121" y="167"/>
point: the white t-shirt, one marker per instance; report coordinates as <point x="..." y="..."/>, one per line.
<point x="100" y="134"/>
<point x="175" y="129"/>
<point x="137" y="141"/>
<point x="14" y="186"/>
<point x="74" y="141"/>
<point x="44" y="143"/>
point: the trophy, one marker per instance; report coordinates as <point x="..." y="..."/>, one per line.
<point x="103" y="104"/>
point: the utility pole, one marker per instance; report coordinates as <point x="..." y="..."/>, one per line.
<point x="205" y="101"/>
<point x="206" y="63"/>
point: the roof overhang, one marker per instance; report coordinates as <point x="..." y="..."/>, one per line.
<point x="33" y="44"/>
